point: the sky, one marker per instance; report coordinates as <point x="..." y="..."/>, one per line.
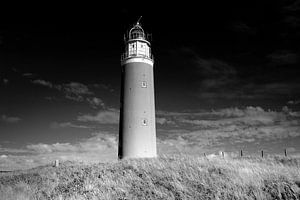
<point x="226" y="79"/>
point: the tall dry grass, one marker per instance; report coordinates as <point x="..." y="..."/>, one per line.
<point x="168" y="177"/>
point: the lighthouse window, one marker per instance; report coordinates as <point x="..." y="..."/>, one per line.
<point x="144" y="84"/>
<point x="144" y="122"/>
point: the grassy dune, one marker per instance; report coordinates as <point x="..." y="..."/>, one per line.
<point x="177" y="177"/>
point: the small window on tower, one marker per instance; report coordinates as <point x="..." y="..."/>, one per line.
<point x="144" y="84"/>
<point x="144" y="122"/>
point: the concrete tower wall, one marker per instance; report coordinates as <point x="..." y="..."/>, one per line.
<point x="137" y="116"/>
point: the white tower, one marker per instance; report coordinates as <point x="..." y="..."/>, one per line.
<point x="137" y="132"/>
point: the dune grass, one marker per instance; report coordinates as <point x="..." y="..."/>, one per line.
<point x="168" y="177"/>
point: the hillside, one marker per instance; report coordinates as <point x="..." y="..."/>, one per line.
<point x="177" y="177"/>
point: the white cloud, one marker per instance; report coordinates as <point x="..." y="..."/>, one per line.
<point x="49" y="148"/>
<point x="29" y="75"/>
<point x="95" y="102"/>
<point x="223" y="117"/>
<point x="76" y="88"/>
<point x="228" y="126"/>
<point x="110" y="116"/>
<point x="13" y="150"/>
<point x="97" y="143"/>
<point x="163" y="120"/>
<point x="67" y="125"/>
<point x="100" y="147"/>
<point x="74" y="91"/>
<point x="43" y="82"/>
<point x="8" y="119"/>
<point x="199" y="132"/>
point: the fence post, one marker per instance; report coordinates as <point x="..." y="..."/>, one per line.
<point x="204" y="154"/>
<point x="56" y="163"/>
<point x="223" y="154"/>
<point x="241" y="153"/>
<point x="262" y="153"/>
<point x="285" y="152"/>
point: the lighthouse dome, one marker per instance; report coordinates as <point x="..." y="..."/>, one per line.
<point x="136" y="32"/>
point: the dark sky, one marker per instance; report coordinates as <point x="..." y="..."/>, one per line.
<point x="57" y="65"/>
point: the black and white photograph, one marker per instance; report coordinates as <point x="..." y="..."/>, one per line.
<point x="143" y="101"/>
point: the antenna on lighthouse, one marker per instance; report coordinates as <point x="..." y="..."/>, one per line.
<point x="138" y="21"/>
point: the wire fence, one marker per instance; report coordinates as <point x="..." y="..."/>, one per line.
<point x="261" y="154"/>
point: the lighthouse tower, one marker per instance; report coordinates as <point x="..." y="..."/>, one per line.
<point x="137" y="132"/>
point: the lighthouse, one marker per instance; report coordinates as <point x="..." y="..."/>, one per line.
<point x="137" y="132"/>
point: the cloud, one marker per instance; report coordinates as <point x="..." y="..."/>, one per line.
<point x="110" y="116"/>
<point x="43" y="83"/>
<point x="95" y="102"/>
<point x="67" y="125"/>
<point x="29" y="75"/>
<point x="191" y="133"/>
<point x="103" y="86"/>
<point x="295" y="102"/>
<point x="293" y="6"/>
<point x="13" y="150"/>
<point x="100" y="147"/>
<point x="275" y="89"/>
<point x="163" y="120"/>
<point x="49" y="148"/>
<point x="74" y="91"/>
<point x="242" y="27"/>
<point x="292" y="21"/>
<point x="283" y="58"/>
<point x="220" y="80"/>
<point x="229" y="127"/>
<point x="211" y="68"/>
<point x="8" y="119"/>
<point x="5" y="81"/>
<point x="239" y="90"/>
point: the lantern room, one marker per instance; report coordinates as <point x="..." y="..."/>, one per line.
<point x="137" y="44"/>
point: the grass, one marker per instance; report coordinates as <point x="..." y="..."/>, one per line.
<point x="168" y="177"/>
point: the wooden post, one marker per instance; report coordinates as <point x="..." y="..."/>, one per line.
<point x="223" y="154"/>
<point x="262" y="153"/>
<point x="56" y="163"/>
<point x="204" y="154"/>
<point x="241" y="153"/>
<point x="285" y="152"/>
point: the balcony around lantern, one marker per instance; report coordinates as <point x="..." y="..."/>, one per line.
<point x="135" y="54"/>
